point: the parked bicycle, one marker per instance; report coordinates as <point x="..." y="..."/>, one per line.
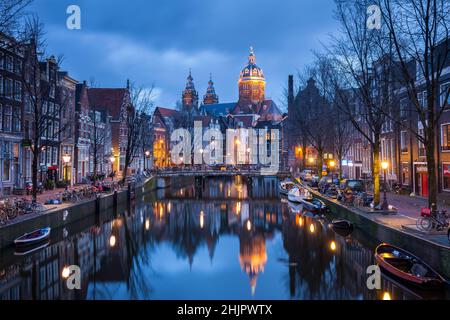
<point x="429" y="220"/>
<point x="11" y="209"/>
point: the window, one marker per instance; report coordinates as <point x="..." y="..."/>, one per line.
<point x="17" y="117"/>
<point x="44" y="107"/>
<point x="18" y="67"/>
<point x="1" y="86"/>
<point x="52" y="91"/>
<point x="405" y="173"/>
<point x="422" y="151"/>
<point x="7" y="117"/>
<point x="18" y="91"/>
<point x="6" y="160"/>
<point x="404" y="108"/>
<point x="27" y="104"/>
<point x="8" y="88"/>
<point x="1" y="117"/>
<point x="445" y="134"/>
<point x="9" y="63"/>
<point x="446" y="176"/>
<point x="2" y="58"/>
<point x="404" y="141"/>
<point x="445" y="95"/>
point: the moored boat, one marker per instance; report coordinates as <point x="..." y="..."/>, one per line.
<point x="407" y="267"/>
<point x="33" y="237"/>
<point x="286" y="186"/>
<point x="342" y="224"/>
<point x="297" y="194"/>
<point x="26" y="250"/>
<point x="314" y="205"/>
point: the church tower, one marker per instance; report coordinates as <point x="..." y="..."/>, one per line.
<point x="190" y="95"/>
<point x="210" y="97"/>
<point x="251" y="82"/>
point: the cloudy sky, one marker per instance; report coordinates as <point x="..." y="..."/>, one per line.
<point x="154" y="43"/>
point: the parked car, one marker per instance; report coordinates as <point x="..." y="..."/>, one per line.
<point x="314" y="181"/>
<point x="354" y="185"/>
<point x="306" y="175"/>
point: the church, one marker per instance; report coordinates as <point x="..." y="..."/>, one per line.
<point x="252" y="110"/>
<point x="252" y="106"/>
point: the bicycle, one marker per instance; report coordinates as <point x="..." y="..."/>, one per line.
<point x="428" y="221"/>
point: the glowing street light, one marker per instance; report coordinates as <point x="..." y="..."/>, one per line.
<point x="112" y="241"/>
<point x="202" y="219"/>
<point x="332" y="164"/>
<point x="385" y="205"/>
<point x="65" y="272"/>
<point x="333" y="246"/>
<point x="66" y="159"/>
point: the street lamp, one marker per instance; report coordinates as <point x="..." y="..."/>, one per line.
<point x="112" y="159"/>
<point x="147" y="156"/>
<point x="384" y="205"/>
<point x="332" y="165"/>
<point x="66" y="159"/>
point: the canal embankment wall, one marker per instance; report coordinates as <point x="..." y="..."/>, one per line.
<point x="67" y="214"/>
<point x="435" y="254"/>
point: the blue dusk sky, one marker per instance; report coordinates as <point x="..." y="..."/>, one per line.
<point x="154" y="43"/>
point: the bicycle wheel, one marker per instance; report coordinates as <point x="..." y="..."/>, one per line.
<point x="3" y="217"/>
<point x="424" y="224"/>
<point x="12" y="213"/>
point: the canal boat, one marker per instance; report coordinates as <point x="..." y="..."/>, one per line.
<point x="297" y="194"/>
<point x="26" y="250"/>
<point x="407" y="267"/>
<point x="342" y="224"/>
<point x="314" y="205"/>
<point x="33" y="238"/>
<point x="285" y="186"/>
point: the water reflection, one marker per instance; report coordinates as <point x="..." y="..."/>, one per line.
<point x="217" y="239"/>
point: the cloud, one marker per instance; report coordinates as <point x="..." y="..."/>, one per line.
<point x="156" y="43"/>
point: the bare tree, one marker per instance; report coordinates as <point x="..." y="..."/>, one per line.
<point x="362" y="62"/>
<point x="11" y="12"/>
<point x="313" y="118"/>
<point x="342" y="130"/>
<point x="419" y="30"/>
<point x="141" y="104"/>
<point x="38" y="87"/>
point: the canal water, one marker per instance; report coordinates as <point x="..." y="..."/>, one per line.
<point x="222" y="238"/>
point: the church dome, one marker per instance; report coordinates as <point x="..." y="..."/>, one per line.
<point x="252" y="71"/>
<point x="251" y="83"/>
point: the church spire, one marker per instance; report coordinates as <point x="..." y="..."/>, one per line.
<point x="251" y="57"/>
<point x="210" y="97"/>
<point x="190" y="95"/>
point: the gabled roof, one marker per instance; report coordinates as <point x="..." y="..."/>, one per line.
<point x="166" y="112"/>
<point x="167" y="116"/>
<point x="268" y="110"/>
<point x="219" y="109"/>
<point x="111" y="99"/>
